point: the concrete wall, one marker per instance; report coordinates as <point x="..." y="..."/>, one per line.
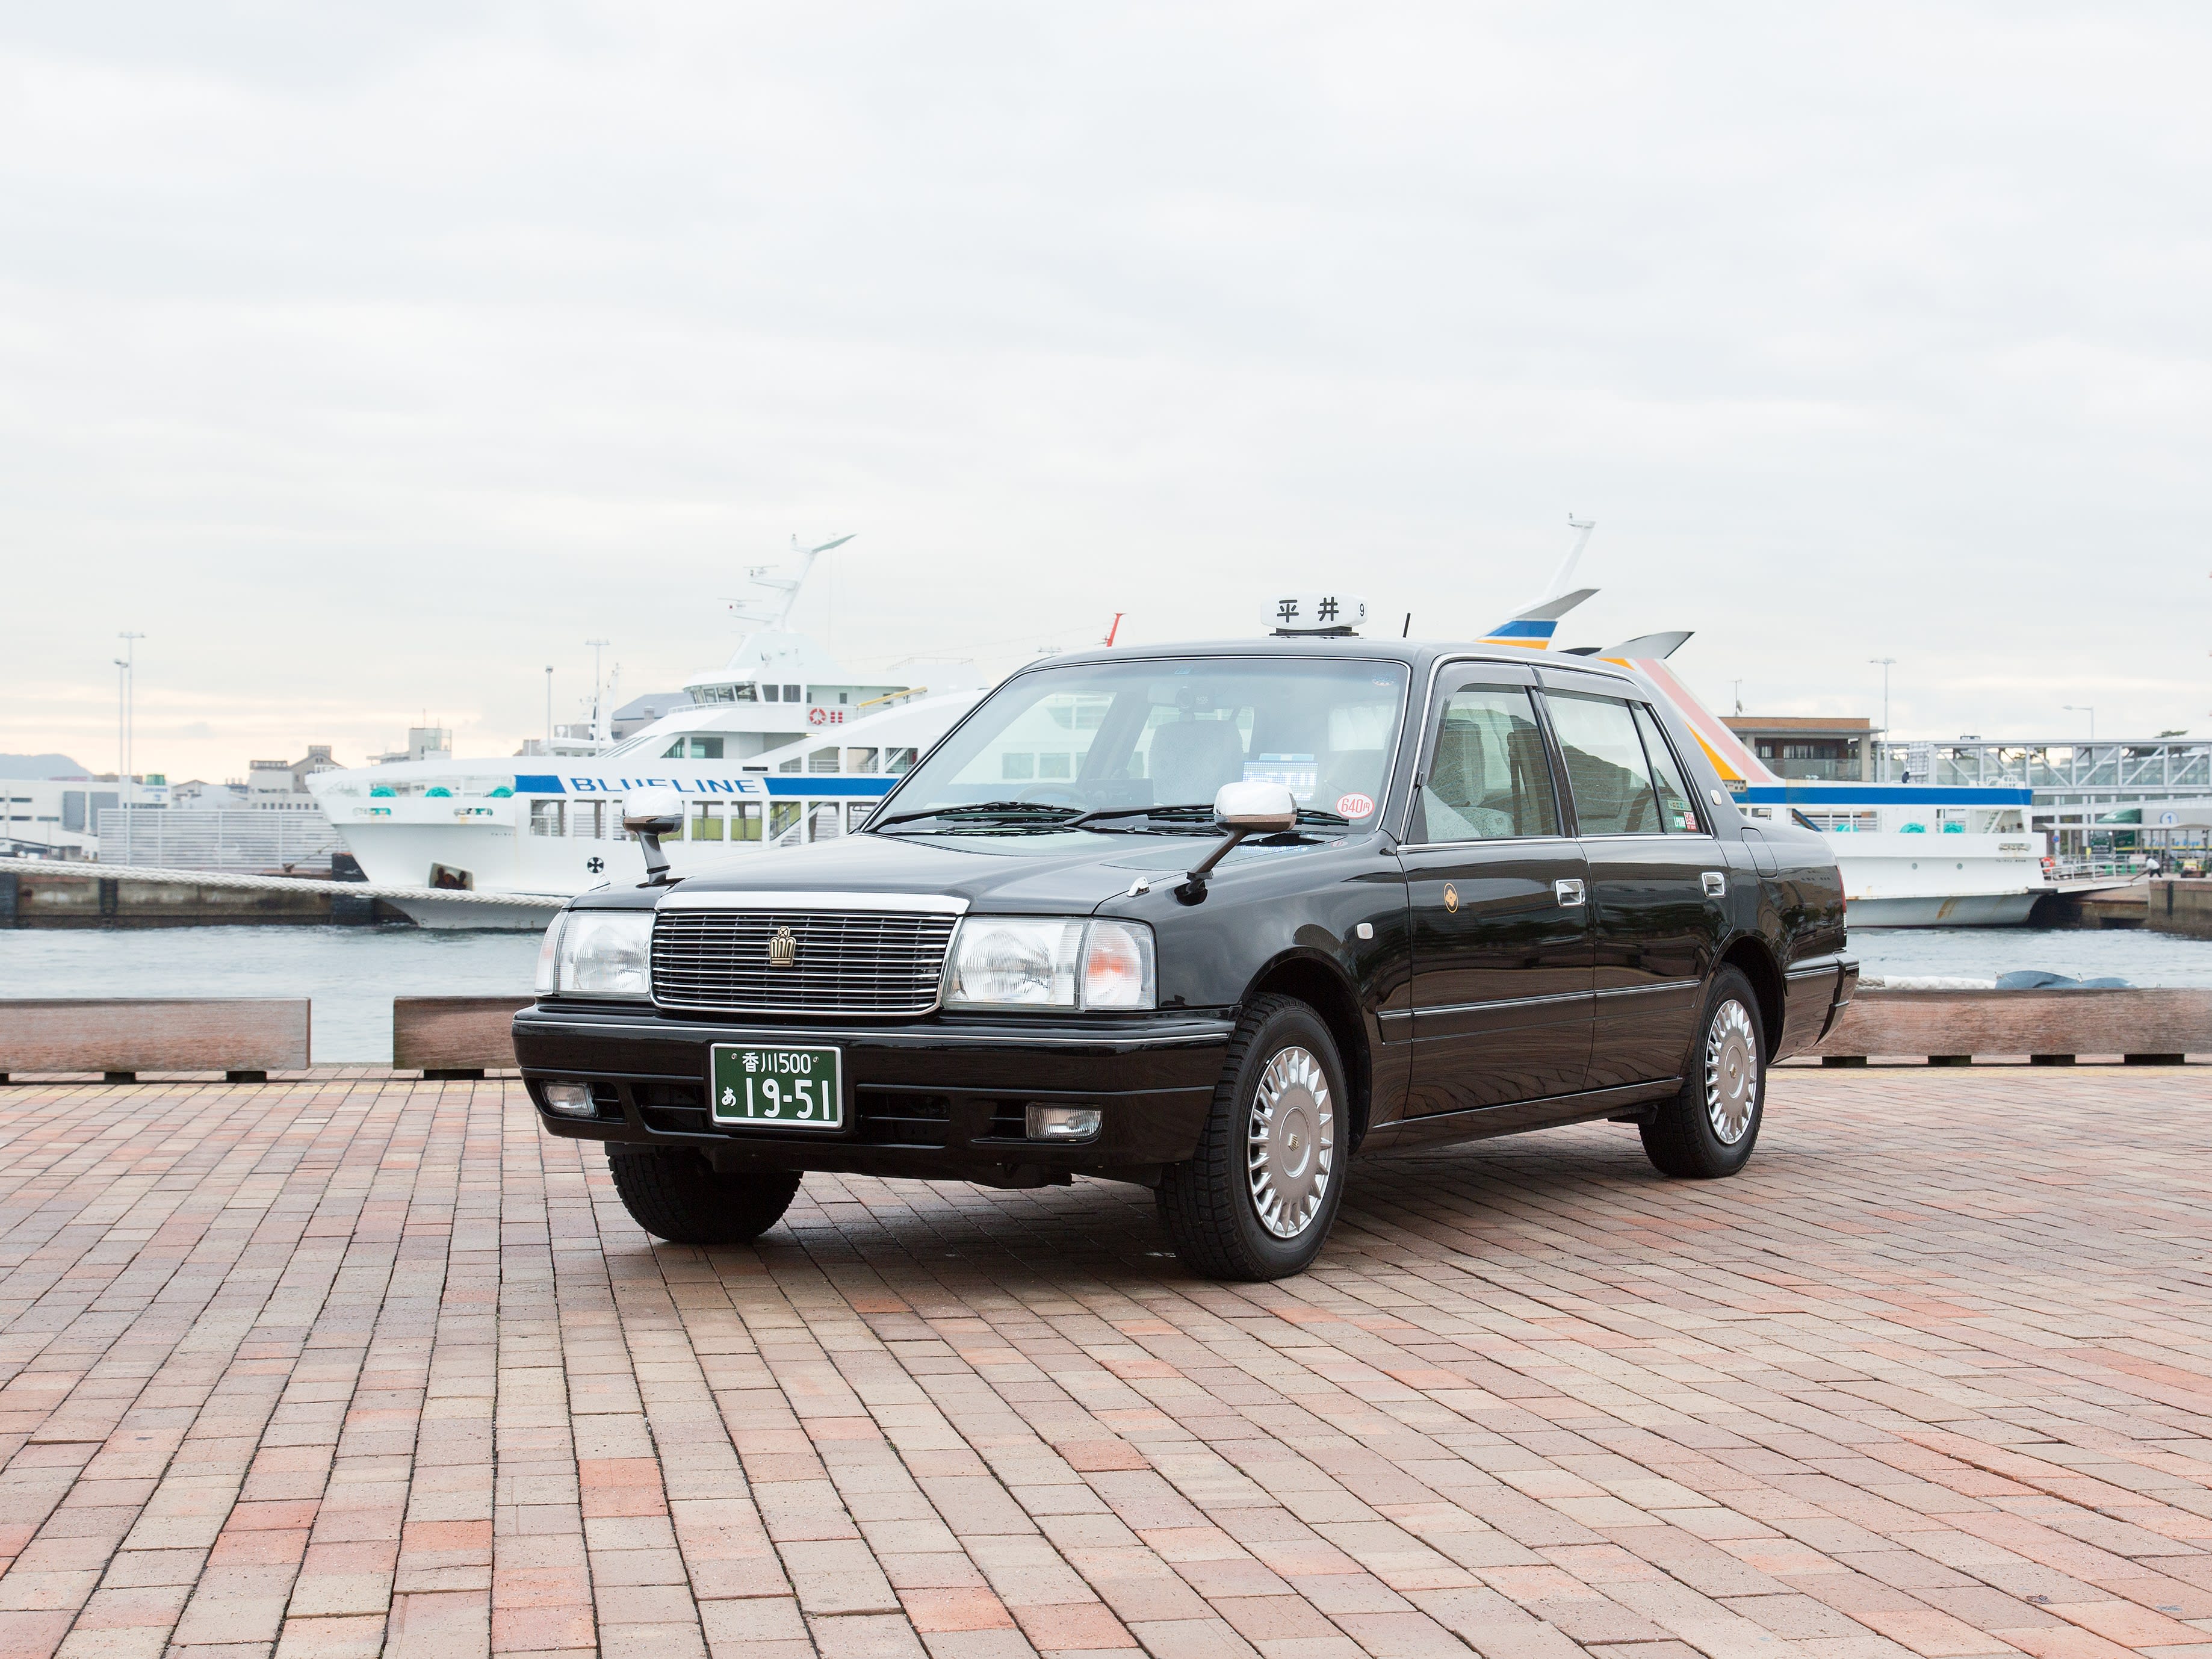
<point x="2181" y="904"/>
<point x="36" y="899"/>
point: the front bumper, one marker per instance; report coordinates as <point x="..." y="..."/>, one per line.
<point x="936" y="1099"/>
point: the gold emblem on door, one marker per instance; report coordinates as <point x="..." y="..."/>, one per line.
<point x="1451" y="896"/>
<point x="782" y="949"/>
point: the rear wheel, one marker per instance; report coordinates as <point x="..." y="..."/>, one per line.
<point x="1708" y="1129"/>
<point x="674" y="1194"/>
<point x="1260" y="1196"/>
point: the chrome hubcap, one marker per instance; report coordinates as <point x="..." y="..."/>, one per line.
<point x="1731" y="1071"/>
<point x="1290" y="1142"/>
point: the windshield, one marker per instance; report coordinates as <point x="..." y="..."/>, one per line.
<point x="1117" y="738"/>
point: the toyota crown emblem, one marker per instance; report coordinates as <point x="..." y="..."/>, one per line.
<point x="782" y="949"/>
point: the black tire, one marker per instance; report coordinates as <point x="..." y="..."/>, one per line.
<point x="1207" y="1204"/>
<point x="1688" y="1137"/>
<point x="674" y="1194"/>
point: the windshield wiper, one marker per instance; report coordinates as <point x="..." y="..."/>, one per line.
<point x="1306" y="815"/>
<point x="1088" y="818"/>
<point x="1009" y="809"/>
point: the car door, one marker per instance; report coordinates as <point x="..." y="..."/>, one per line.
<point x="1501" y="936"/>
<point x="1658" y="879"/>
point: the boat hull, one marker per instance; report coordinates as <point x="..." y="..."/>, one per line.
<point x="1918" y="880"/>
<point x="522" y="917"/>
<point x="1942" y="910"/>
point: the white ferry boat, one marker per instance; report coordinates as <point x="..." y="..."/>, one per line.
<point x="778" y="747"/>
<point x="1912" y="855"/>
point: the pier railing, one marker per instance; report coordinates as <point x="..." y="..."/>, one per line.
<point x="2119" y="868"/>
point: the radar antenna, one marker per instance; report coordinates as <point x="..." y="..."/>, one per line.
<point x="776" y="613"/>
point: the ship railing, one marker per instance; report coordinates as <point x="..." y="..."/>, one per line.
<point x="890" y="698"/>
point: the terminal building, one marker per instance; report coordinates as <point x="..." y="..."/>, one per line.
<point x="1819" y="748"/>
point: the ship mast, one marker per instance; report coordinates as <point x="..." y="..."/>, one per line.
<point x="777" y="613"/>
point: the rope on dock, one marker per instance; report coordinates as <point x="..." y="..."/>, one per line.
<point x="84" y="871"/>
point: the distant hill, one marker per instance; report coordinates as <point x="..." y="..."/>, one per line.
<point x="40" y="766"/>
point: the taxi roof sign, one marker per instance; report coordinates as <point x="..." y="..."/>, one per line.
<point x="1324" y="614"/>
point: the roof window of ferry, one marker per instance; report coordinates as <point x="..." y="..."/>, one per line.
<point x="1167" y="734"/>
<point x="772" y="693"/>
<point x="791" y="693"/>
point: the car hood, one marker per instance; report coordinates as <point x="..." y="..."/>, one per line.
<point x="1051" y="874"/>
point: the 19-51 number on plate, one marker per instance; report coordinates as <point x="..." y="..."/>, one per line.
<point x="791" y="1088"/>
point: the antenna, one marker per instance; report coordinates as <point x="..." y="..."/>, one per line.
<point x="1113" y="628"/>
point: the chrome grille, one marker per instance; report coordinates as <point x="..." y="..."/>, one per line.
<point x="846" y="962"/>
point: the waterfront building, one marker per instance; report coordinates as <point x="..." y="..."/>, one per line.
<point x="266" y="823"/>
<point x="60" y="817"/>
<point x="1823" y="747"/>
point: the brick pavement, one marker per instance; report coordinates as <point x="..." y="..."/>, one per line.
<point x="355" y="1365"/>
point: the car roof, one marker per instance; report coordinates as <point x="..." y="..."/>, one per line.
<point x="1419" y="654"/>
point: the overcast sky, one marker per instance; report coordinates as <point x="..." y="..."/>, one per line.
<point x="368" y="359"/>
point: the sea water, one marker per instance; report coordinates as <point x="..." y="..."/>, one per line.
<point x="353" y="972"/>
<point x="2136" y="955"/>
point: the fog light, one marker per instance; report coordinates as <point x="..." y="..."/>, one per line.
<point x="570" y="1099"/>
<point x="1061" y="1122"/>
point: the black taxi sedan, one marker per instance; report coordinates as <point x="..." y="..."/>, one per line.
<point x="1215" y="919"/>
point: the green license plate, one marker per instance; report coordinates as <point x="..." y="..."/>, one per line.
<point x="791" y="1088"/>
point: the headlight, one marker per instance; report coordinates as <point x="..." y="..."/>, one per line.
<point x="598" y="953"/>
<point x="1021" y="962"/>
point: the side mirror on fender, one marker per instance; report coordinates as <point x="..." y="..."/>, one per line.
<point x="1256" y="808"/>
<point x="653" y="812"/>
<point x="1250" y="808"/>
<point x="649" y="814"/>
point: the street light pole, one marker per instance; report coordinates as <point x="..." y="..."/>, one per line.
<point x="2090" y="709"/>
<point x="548" y="708"/>
<point x="127" y="662"/>
<point x="1885" y="664"/>
<point x="598" y="696"/>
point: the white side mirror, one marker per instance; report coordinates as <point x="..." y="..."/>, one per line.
<point x="653" y="811"/>
<point x="1256" y="807"/>
<point x="1251" y="808"/>
<point x="649" y="814"/>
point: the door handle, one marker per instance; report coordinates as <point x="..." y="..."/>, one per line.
<point x="1716" y="884"/>
<point x="1568" y="892"/>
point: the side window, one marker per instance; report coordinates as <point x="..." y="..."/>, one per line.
<point x="1678" y="807"/>
<point x="1488" y="779"/>
<point x="1605" y="765"/>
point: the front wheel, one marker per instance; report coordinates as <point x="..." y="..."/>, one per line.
<point x="1708" y="1129"/>
<point x="674" y="1194"/>
<point x="1258" y="1198"/>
